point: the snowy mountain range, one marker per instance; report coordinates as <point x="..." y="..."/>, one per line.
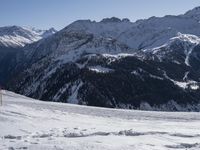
<point x="15" y="36"/>
<point x="141" y="34"/>
<point x="149" y="64"/>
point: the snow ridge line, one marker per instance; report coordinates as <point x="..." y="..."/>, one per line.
<point x="79" y="134"/>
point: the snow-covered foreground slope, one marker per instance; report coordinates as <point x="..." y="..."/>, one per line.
<point x="30" y="124"/>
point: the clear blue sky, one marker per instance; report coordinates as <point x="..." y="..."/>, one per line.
<point x="59" y="13"/>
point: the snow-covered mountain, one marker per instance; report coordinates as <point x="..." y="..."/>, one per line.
<point x="15" y="36"/>
<point x="181" y="45"/>
<point x="95" y="72"/>
<point x="141" y="34"/>
<point x="31" y="124"/>
<point x="151" y="64"/>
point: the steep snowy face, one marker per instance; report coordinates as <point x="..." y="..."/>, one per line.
<point x="70" y="46"/>
<point x="15" y="36"/>
<point x="180" y="49"/>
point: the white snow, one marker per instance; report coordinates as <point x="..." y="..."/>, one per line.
<point x="189" y="84"/>
<point x="184" y="84"/>
<point x="194" y="87"/>
<point x="16" y="40"/>
<point x="31" y="124"/>
<point x="181" y="84"/>
<point x="60" y="92"/>
<point x="188" y="56"/>
<point x="186" y="75"/>
<point x="73" y="99"/>
<point x="135" y="72"/>
<point x="187" y="37"/>
<point x="140" y="71"/>
<point x="119" y="55"/>
<point x="100" y="69"/>
<point x="155" y="77"/>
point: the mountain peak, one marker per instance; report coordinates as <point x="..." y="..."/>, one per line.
<point x="49" y="32"/>
<point x="10" y="29"/>
<point x="114" y="20"/>
<point x="52" y="30"/>
<point x="194" y="10"/>
<point x="194" y="13"/>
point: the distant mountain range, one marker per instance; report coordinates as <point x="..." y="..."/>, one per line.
<point x="151" y="64"/>
<point x="15" y="36"/>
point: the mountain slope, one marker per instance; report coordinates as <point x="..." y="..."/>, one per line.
<point x="31" y="124"/>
